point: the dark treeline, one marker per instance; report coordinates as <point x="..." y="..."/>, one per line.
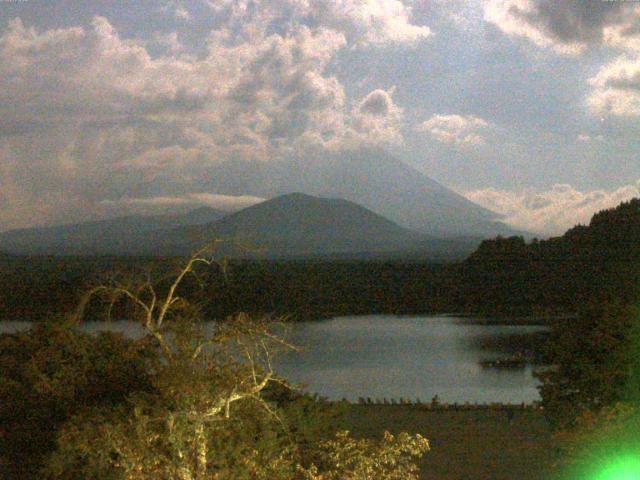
<point x="312" y="290"/>
<point x="40" y="287"/>
<point x="35" y="288"/>
<point x="592" y="271"/>
<point x="595" y="263"/>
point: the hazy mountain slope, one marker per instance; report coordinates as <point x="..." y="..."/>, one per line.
<point x="298" y="224"/>
<point x="128" y="235"/>
<point x="291" y="225"/>
<point x="399" y="192"/>
<point x="371" y="178"/>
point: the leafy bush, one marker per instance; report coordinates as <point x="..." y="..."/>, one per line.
<point x="49" y="374"/>
<point x="208" y="417"/>
<point x="392" y="458"/>
<point x="595" y="359"/>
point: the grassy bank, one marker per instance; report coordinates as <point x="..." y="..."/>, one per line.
<point x="488" y="444"/>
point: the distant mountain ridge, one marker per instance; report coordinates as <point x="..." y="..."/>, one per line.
<point x="289" y="226"/>
<point x="128" y="235"/>
<point x="371" y="178"/>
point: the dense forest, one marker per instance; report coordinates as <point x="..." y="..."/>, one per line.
<point x="34" y="288"/>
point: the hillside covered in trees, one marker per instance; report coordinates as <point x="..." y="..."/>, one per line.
<point x="600" y="260"/>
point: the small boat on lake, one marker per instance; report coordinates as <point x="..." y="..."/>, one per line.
<point x="515" y="361"/>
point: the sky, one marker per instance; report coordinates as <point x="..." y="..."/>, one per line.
<point x="528" y="107"/>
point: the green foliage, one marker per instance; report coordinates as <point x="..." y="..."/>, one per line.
<point x="146" y="441"/>
<point x="178" y="431"/>
<point x="323" y="289"/>
<point x="598" y="262"/>
<point x="34" y="288"/>
<point x="346" y="458"/>
<point x="40" y="288"/>
<point x="149" y="440"/>
<point x="50" y="373"/>
<point x="594" y="359"/>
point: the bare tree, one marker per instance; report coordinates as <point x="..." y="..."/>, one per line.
<point x="226" y="362"/>
<point x="142" y="292"/>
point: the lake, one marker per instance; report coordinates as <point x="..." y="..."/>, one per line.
<point x="386" y="356"/>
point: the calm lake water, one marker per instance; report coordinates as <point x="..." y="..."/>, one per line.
<point x="389" y="356"/>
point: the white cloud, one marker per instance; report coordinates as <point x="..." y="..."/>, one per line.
<point x="226" y="202"/>
<point x="177" y="10"/>
<point x="87" y="74"/>
<point x="182" y="13"/>
<point x="371" y="21"/>
<point x="625" y="35"/>
<point x="362" y="22"/>
<point x="164" y="204"/>
<point x="377" y="103"/>
<point x="570" y="27"/>
<point x="461" y="130"/>
<point x="376" y="119"/>
<point x="616" y="88"/>
<point x="258" y="89"/>
<point x="86" y="114"/>
<point x="169" y="42"/>
<point x="554" y="211"/>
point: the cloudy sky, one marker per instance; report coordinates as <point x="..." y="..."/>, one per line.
<point x="528" y="107"/>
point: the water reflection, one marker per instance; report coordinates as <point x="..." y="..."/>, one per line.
<point x="388" y="356"/>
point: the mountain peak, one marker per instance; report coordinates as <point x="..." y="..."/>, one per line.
<point x="369" y="177"/>
<point x="298" y="224"/>
<point x="293" y="197"/>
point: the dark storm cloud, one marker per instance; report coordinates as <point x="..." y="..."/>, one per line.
<point x="573" y="20"/>
<point x="568" y="26"/>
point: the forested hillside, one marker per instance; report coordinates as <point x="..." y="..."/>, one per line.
<point x="600" y="260"/>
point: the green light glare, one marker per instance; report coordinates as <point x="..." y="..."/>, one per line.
<point x="626" y="467"/>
